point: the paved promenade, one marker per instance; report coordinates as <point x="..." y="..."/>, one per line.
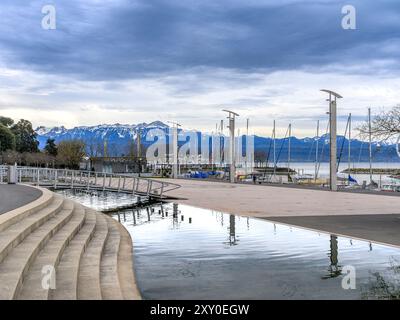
<point x="15" y="196"/>
<point x="269" y="201"/>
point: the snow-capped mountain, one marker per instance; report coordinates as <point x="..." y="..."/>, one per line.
<point x="120" y="139"/>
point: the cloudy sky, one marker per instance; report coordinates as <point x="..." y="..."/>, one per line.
<point x="131" y="61"/>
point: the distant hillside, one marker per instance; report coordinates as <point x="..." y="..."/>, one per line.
<point x="120" y="140"/>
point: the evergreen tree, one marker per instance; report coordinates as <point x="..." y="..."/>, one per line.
<point x="7" y="139"/>
<point x="51" y="147"/>
<point x="7" y="122"/>
<point x="25" y="137"/>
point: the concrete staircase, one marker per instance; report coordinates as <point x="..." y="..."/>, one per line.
<point x="89" y="252"/>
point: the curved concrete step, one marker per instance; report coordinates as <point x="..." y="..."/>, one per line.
<point x="109" y="280"/>
<point x="50" y="255"/>
<point x="17" y="263"/>
<point x="89" y="270"/>
<point x="17" y="232"/>
<point x="126" y="272"/>
<point x="68" y="268"/>
<point x="11" y="217"/>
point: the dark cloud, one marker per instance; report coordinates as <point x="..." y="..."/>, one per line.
<point x="104" y="40"/>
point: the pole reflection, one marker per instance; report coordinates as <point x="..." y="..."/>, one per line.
<point x="335" y="269"/>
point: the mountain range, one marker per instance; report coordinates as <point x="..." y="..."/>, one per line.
<point x="120" y="140"/>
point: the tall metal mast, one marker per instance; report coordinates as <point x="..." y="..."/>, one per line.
<point x="333" y="96"/>
<point x="274" y="146"/>
<point x="231" y="118"/>
<point x="289" y="148"/>
<point x="175" y="149"/>
<point x="370" y="144"/>
<point x="316" y="154"/>
<point x="349" y="155"/>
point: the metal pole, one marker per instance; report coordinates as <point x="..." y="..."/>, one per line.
<point x="316" y="154"/>
<point x="333" y="96"/>
<point x="370" y="144"/>
<point x="274" y="136"/>
<point x="290" y="133"/>
<point x="333" y="144"/>
<point x="247" y="137"/>
<point x="232" y="170"/>
<point x="349" y="155"/>
<point x="232" y="149"/>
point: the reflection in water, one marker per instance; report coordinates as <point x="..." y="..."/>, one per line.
<point x="384" y="285"/>
<point x="335" y="269"/>
<point x="184" y="255"/>
<point x="232" y="232"/>
<point x="100" y="200"/>
<point x="263" y="264"/>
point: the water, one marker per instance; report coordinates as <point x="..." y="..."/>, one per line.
<point x="100" y="200"/>
<point x="309" y="168"/>
<point x="203" y="254"/>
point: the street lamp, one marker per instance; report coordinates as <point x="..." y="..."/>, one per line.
<point x="231" y="126"/>
<point x="333" y="96"/>
<point x="175" y="149"/>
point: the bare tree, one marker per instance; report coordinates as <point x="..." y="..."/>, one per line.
<point x="70" y="153"/>
<point x="384" y="126"/>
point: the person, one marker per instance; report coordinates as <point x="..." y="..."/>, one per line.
<point x="254" y="178"/>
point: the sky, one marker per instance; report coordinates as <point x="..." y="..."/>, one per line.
<point x="133" y="61"/>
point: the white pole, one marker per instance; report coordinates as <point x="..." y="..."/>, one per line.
<point x="231" y="118"/>
<point x="175" y="152"/>
<point x="316" y="154"/>
<point x="232" y="149"/>
<point x="274" y="136"/>
<point x="289" y="146"/>
<point x="370" y="144"/>
<point x="247" y="137"/>
<point x="349" y="155"/>
<point x="333" y="144"/>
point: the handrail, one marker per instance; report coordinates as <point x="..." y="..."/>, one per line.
<point x="90" y="180"/>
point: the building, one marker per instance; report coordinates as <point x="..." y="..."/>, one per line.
<point x="117" y="164"/>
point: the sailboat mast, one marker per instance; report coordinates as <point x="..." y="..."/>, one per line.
<point x="370" y="144"/>
<point x="274" y="136"/>
<point x="316" y="153"/>
<point x="289" y="148"/>
<point x="349" y="155"/>
<point x="247" y="137"/>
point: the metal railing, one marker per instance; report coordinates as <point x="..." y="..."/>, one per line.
<point x="65" y="178"/>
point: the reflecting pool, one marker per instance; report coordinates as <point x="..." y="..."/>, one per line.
<point x="182" y="252"/>
<point x="100" y="200"/>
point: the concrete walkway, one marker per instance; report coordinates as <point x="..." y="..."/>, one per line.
<point x="268" y="201"/>
<point x="15" y="196"/>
